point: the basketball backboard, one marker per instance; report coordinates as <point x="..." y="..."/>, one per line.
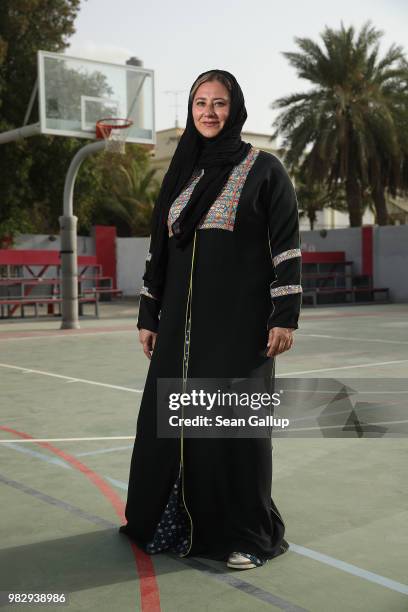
<point x="75" y="92"/>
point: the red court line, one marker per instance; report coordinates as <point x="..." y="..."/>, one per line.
<point x="149" y="590"/>
<point x="65" y="332"/>
<point x="5" y="335"/>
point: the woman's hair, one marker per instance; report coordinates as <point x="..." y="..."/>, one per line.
<point x="213" y="75"/>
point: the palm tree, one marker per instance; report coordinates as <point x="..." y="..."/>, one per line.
<point x="345" y="126"/>
<point x="315" y="197"/>
<point x="130" y="195"/>
<point x="391" y="172"/>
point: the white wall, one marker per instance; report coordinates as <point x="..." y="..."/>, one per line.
<point x="131" y="258"/>
<point x="390" y="253"/>
<point x="390" y="257"/>
<point x="391" y="260"/>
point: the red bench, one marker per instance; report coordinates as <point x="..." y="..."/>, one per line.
<point x="330" y="274"/>
<point x="7" y="304"/>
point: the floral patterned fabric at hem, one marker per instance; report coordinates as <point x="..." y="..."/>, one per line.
<point x="173" y="529"/>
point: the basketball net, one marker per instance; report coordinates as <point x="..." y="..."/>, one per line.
<point x="115" y="131"/>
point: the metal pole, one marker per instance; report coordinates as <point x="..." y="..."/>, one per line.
<point x="68" y="225"/>
<point x="20" y="133"/>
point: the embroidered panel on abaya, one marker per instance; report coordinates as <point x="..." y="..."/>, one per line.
<point x="222" y="213"/>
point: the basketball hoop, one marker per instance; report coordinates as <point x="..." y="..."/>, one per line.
<point x="114" y="130"/>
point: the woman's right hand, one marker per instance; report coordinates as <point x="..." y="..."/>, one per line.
<point x="147" y="339"/>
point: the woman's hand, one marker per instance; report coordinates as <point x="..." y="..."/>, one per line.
<point x="147" y="339"/>
<point x="280" y="340"/>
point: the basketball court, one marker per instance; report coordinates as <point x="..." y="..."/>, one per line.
<point x="70" y="401"/>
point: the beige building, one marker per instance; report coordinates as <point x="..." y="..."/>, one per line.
<point x="166" y="143"/>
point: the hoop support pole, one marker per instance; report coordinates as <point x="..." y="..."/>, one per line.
<point x="68" y="253"/>
<point x="20" y="133"/>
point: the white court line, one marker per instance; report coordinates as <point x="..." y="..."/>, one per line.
<point x="323" y="427"/>
<point x="348" y="367"/>
<point x="352" y="339"/>
<point x="301" y="550"/>
<point x="350" y="568"/>
<point x="70" y="378"/>
<point x="343" y="566"/>
<point x="120" y="388"/>
<point x="101" y="451"/>
<point x="22" y="440"/>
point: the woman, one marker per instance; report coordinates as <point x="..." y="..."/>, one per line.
<point x="221" y="299"/>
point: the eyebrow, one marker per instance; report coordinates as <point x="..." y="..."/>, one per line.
<point x="205" y="98"/>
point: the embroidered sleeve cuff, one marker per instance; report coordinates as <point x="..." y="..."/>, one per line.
<point x="284" y="240"/>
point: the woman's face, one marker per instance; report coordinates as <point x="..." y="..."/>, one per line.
<point x="211" y="107"/>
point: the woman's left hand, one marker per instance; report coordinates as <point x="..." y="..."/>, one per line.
<point x="280" y="340"/>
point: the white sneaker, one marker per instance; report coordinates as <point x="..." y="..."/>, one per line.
<point x="239" y="560"/>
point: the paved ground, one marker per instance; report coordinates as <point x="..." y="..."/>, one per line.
<point x="69" y="403"/>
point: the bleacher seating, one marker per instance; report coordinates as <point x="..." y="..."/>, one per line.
<point x="33" y="278"/>
<point x="328" y="278"/>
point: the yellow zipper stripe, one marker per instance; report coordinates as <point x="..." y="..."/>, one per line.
<point x="186" y="355"/>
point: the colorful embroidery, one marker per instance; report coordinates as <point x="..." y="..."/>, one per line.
<point x="222" y="213"/>
<point x="286" y="290"/>
<point x="180" y="202"/>
<point x="286" y="255"/>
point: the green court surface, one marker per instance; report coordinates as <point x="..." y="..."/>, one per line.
<point x="69" y="404"/>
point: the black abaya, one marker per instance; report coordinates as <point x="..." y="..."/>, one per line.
<point x="245" y="280"/>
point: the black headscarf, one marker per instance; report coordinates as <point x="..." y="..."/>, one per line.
<point x="218" y="156"/>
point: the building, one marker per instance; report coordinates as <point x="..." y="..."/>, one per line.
<point x="166" y="142"/>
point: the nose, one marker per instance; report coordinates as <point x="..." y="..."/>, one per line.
<point x="210" y="111"/>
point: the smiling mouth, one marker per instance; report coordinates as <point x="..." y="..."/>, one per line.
<point x="210" y="123"/>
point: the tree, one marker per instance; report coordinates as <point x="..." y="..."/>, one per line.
<point x="116" y="190"/>
<point x="25" y="27"/>
<point x="128" y="193"/>
<point x="344" y="129"/>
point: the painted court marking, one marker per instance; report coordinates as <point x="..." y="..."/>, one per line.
<point x="131" y="390"/>
<point x="102" y="451"/>
<point x="348" y="367"/>
<point x="37" y="440"/>
<point x="350" y="568"/>
<point x="352" y="338"/>
<point x="307" y="552"/>
<point x="69" y="378"/>
<point x="56" y="502"/>
<point x="149" y="590"/>
<point x="246" y="587"/>
<point x="64" y="333"/>
<point x="325" y="559"/>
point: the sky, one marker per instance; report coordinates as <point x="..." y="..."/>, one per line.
<point x="179" y="39"/>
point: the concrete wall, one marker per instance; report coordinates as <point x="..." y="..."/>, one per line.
<point x="348" y="240"/>
<point x="131" y="258"/>
<point x="391" y="260"/>
<point x="42" y="242"/>
<point x="390" y="253"/>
